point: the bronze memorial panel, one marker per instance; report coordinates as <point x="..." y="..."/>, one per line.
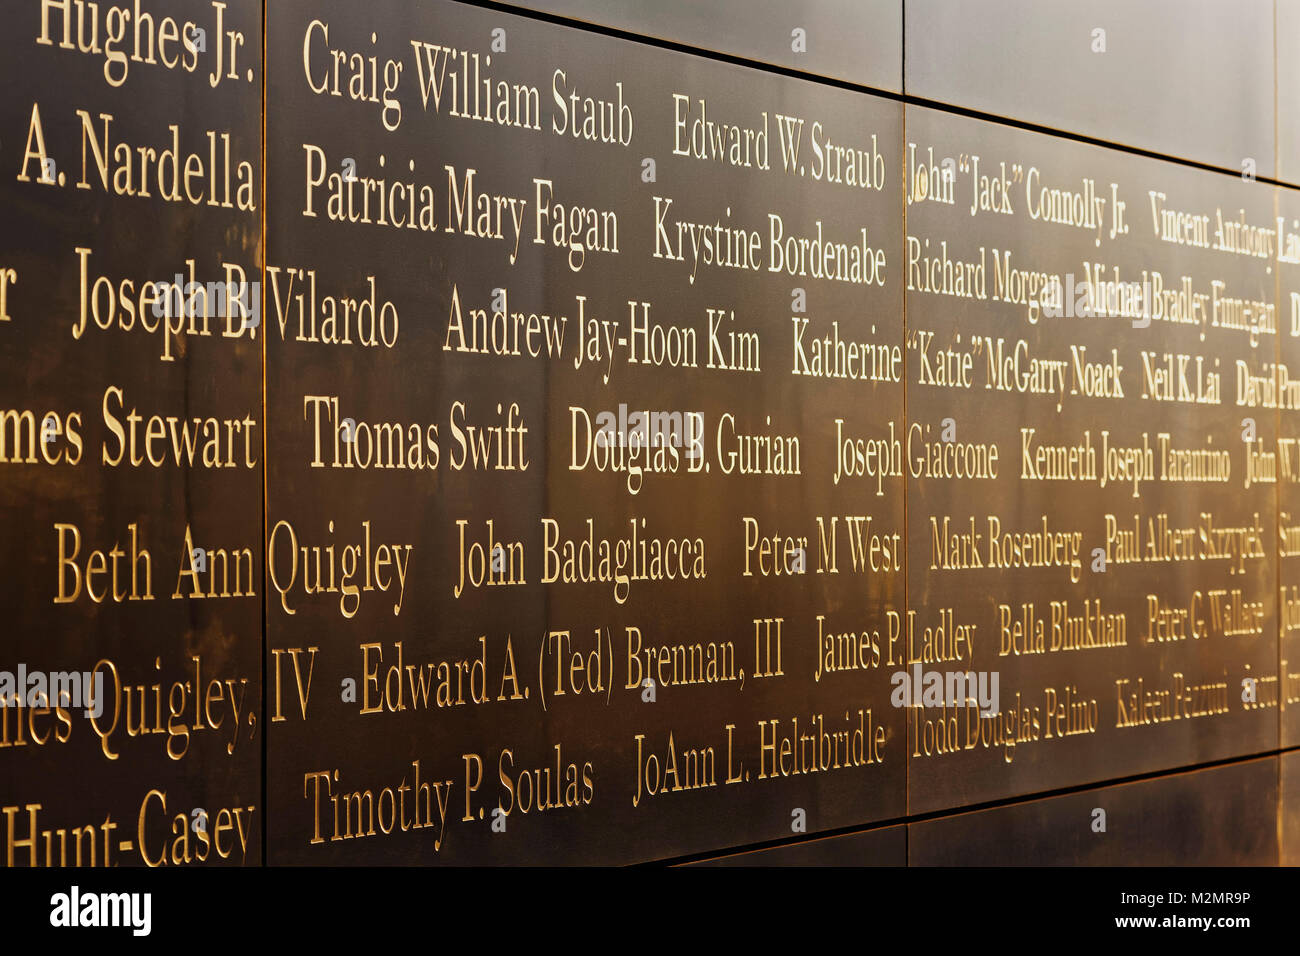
<point x="573" y="450"/>
<point x="1220" y="816"/>
<point x="1092" y="340"/>
<point x="131" y="434"/>
<point x="577" y="455"/>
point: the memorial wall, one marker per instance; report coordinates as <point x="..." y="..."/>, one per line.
<point x="437" y="433"/>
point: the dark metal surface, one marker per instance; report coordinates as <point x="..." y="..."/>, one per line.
<point x="1224" y="816"/>
<point x="578" y="645"/>
<point x="157" y="777"/>
<point x="1189" y="79"/>
<point x="1158" y="675"/>
<point x="1289" y="808"/>
<point x="884" y="847"/>
<point x="855" y="40"/>
<point x="489" y="637"/>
